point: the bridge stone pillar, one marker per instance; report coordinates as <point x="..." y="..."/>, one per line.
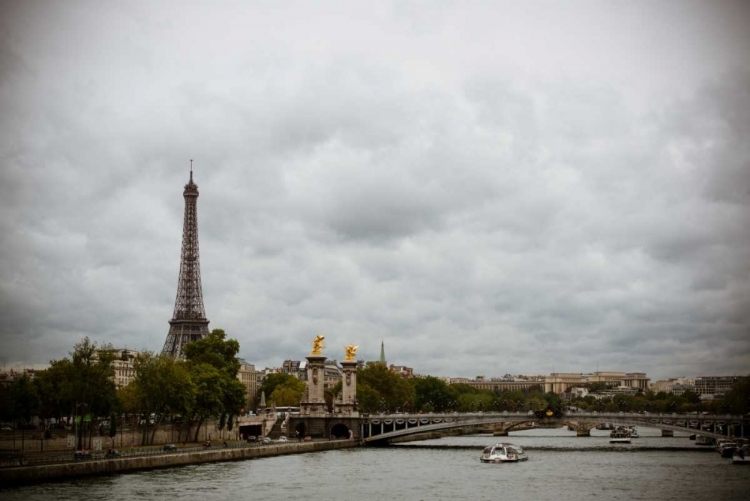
<point x="500" y="429"/>
<point x="582" y="428"/>
<point x="347" y="405"/>
<point x="667" y="433"/>
<point x="314" y="402"/>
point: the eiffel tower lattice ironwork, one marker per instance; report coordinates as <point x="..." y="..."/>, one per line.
<point x="189" y="322"/>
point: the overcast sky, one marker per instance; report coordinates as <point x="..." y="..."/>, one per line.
<point x="487" y="187"/>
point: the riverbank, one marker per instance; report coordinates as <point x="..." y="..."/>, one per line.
<point x="26" y="475"/>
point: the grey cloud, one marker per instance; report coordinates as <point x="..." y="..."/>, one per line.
<point x="458" y="197"/>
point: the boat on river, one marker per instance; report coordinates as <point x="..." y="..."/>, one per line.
<point x="727" y="449"/>
<point x="741" y="455"/>
<point x="503" y="453"/>
<point x="703" y="440"/>
<point x="619" y="436"/>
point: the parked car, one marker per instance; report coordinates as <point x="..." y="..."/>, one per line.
<point x="112" y="453"/>
<point x="82" y="455"/>
<point x="169" y="447"/>
<point x="251" y="438"/>
<point x="282" y="438"/>
<point x="7" y="428"/>
<point x="266" y="440"/>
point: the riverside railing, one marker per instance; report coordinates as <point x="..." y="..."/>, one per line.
<point x="14" y="459"/>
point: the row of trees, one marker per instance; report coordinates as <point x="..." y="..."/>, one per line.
<point x="82" y="388"/>
<point x="380" y="390"/>
<point x="205" y="385"/>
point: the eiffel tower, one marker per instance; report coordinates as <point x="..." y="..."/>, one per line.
<point x="189" y="322"/>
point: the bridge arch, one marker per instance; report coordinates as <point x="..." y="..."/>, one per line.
<point x="340" y="430"/>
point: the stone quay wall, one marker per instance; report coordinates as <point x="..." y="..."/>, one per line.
<point x="33" y="441"/>
<point x="35" y="474"/>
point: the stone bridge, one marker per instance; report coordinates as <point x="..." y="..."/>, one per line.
<point x="380" y="429"/>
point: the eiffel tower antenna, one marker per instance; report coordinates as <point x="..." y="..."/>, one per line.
<point x="189" y="322"/>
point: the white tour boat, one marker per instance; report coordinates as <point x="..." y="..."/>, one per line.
<point x="503" y="453"/>
<point x="619" y="436"/>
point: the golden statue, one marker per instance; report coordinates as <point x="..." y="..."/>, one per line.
<point x="317" y="345"/>
<point x="351" y="352"/>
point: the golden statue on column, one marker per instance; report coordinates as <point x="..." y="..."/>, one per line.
<point x="350" y="352"/>
<point x="317" y="345"/>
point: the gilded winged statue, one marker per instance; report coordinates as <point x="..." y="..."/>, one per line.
<point x="351" y="352"/>
<point x="317" y="345"/>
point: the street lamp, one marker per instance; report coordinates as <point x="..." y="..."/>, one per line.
<point x="78" y="435"/>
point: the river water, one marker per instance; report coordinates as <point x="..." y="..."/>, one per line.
<point x="560" y="467"/>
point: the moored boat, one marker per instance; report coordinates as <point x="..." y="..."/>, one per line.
<point x="503" y="453"/>
<point x="741" y="455"/>
<point x="728" y="449"/>
<point x="702" y="440"/>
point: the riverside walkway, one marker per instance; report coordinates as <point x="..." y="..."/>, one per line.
<point x="59" y="467"/>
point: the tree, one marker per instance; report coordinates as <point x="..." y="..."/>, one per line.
<point x="213" y="366"/>
<point x="91" y="384"/>
<point x="288" y="394"/>
<point x="390" y="389"/>
<point x="272" y="381"/>
<point x="53" y="387"/>
<point x="215" y="350"/>
<point x="209" y="394"/>
<point x="433" y="392"/>
<point x="162" y="386"/>
<point x="737" y="399"/>
<point x="368" y="399"/>
<point x="24" y="399"/>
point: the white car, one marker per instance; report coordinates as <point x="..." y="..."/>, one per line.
<point x="282" y="438"/>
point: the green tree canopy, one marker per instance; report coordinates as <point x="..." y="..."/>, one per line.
<point x="391" y="390"/>
<point x="53" y="386"/>
<point x="432" y="394"/>
<point x="24" y="398"/>
<point x="213" y="366"/>
<point x="279" y="379"/>
<point x="215" y="350"/>
<point x="288" y="393"/>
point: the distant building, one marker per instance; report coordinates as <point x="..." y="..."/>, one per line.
<point x="124" y="366"/>
<point x="559" y="382"/>
<point x="7" y="377"/>
<point x="291" y="367"/>
<point x="579" y="392"/>
<point x="714" y="385"/>
<point x="675" y="386"/>
<point x="407" y="372"/>
<point x="501" y="385"/>
<point x="332" y="374"/>
<point x="250" y="379"/>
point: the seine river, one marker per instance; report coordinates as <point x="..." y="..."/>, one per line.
<point x="560" y="467"/>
